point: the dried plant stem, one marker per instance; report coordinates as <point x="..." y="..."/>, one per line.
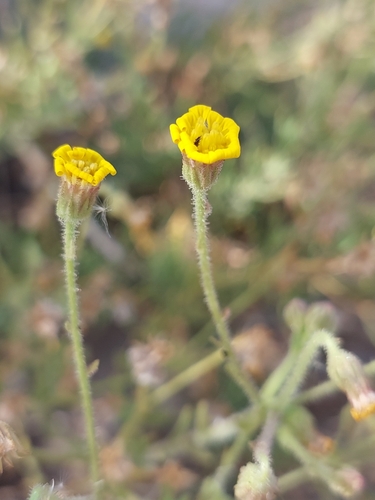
<point x="201" y="212"/>
<point x="69" y="241"/>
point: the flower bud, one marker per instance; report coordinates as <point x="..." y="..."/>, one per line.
<point x="294" y="315"/>
<point x="346" y="371"/>
<point x="81" y="171"/>
<point x="200" y="175"/>
<point x="321" y="316"/>
<point x="347" y="482"/>
<point x="256" y="481"/>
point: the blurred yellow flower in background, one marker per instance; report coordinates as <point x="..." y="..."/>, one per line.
<point x="205" y="136"/>
<point x="81" y="164"/>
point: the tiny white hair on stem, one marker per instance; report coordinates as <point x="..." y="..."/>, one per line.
<point x="100" y="210"/>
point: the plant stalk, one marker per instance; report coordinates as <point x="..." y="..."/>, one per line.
<point x="320" y="339"/>
<point x="201" y="212"/>
<point x="69" y="242"/>
<point x="187" y="377"/>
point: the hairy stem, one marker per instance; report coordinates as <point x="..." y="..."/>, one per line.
<point x="292" y="479"/>
<point x="264" y="442"/>
<point x="188" y="376"/>
<point x="319" y="339"/>
<point x="277" y="378"/>
<point x="200" y="204"/>
<point x="69" y="240"/>
<point x="231" y="457"/>
<point x="314" y="466"/>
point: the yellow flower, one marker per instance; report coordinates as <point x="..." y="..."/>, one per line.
<point x="81" y="171"/>
<point x="81" y="164"/>
<point x="205" y="136"/>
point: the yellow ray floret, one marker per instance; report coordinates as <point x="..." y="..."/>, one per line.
<point x="206" y="136"/>
<point x="83" y="164"/>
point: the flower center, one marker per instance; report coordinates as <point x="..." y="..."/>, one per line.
<point x="208" y="137"/>
<point x="89" y="168"/>
<point x="81" y="164"/>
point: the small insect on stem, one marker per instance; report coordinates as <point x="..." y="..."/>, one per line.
<point x="197" y="141"/>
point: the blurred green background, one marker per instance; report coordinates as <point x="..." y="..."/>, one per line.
<point x="294" y="216"/>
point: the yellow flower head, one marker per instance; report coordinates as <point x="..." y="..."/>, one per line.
<point x="81" y="171"/>
<point x="205" y="136"/>
<point x="81" y="164"/>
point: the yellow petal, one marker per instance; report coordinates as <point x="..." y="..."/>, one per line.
<point x="81" y="164"/>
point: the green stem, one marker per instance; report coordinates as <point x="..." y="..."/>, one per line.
<point x="264" y="442"/>
<point x="278" y="376"/>
<point x="315" y="467"/>
<point x="69" y="240"/>
<point x="319" y="339"/>
<point x="188" y="376"/>
<point x="231" y="457"/>
<point x="289" y="442"/>
<point x="200" y="204"/>
<point x="292" y="479"/>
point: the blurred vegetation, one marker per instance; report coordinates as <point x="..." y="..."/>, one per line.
<point x="294" y="216"/>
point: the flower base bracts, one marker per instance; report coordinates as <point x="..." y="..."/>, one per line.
<point x="75" y="201"/>
<point x="199" y="175"/>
